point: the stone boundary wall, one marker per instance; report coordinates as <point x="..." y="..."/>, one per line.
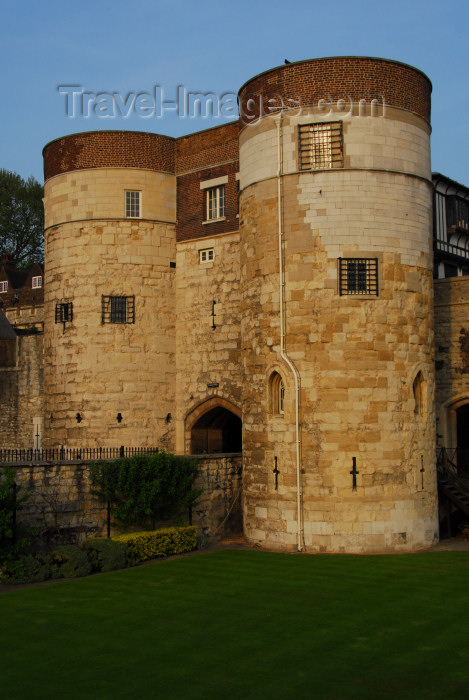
<point x="62" y="509"/>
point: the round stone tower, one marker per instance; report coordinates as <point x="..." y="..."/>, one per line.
<point x="110" y="202"/>
<point x="337" y="335"/>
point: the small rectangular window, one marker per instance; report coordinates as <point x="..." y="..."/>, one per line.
<point x="37" y="282"/>
<point x="63" y="312"/>
<point x="206" y="255"/>
<point x="215" y="203"/>
<point x="3" y="287"/>
<point x="117" y="309"/>
<point x="321" y="146"/>
<point x="132" y="205"/>
<point x="358" y="276"/>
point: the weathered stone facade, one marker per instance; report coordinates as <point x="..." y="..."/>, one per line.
<point x="22" y="390"/>
<point x="280" y="272"/>
<point x="354" y="358"/>
<point x="93" y="367"/>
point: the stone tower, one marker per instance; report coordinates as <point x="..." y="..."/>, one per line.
<point x="337" y="331"/>
<point x="309" y="317"/>
<point x="110" y="203"/>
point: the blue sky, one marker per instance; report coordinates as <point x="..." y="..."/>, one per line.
<point x="212" y="46"/>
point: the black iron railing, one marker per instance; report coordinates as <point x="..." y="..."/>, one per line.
<point x="67" y="454"/>
<point x="453" y="462"/>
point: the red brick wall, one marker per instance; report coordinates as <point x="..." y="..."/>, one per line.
<point x="133" y="149"/>
<point x="206" y="148"/>
<point x="20" y="291"/>
<point x="106" y="149"/>
<point x="206" y="155"/>
<point x="191" y="203"/>
<point x="356" y="77"/>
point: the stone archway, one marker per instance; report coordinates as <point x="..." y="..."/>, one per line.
<point x="213" y="427"/>
<point x="453" y="416"/>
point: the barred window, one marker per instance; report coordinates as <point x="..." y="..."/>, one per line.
<point x="117" y="309"/>
<point x="215" y="203"/>
<point x="358" y="276"/>
<point x="132" y="205"/>
<point x="63" y="312"/>
<point x="321" y="146"/>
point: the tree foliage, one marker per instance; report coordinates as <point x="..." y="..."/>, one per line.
<point x="144" y="489"/>
<point x="21" y="219"/>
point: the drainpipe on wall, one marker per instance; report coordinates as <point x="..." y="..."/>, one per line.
<point x="283" y="354"/>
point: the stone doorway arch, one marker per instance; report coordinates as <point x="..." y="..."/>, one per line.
<point x="454" y="414"/>
<point x="214" y="426"/>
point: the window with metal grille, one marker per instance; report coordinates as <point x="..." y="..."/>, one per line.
<point x="64" y="312"/>
<point x="358" y="276"/>
<point x="321" y="146"/>
<point x="215" y="203"/>
<point x="132" y="205"/>
<point x="117" y="309"/>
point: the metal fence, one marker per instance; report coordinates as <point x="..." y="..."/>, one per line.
<point x="69" y="454"/>
<point x="453" y="461"/>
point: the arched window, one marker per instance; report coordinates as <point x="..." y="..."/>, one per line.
<point x="277" y="394"/>
<point x="419" y="390"/>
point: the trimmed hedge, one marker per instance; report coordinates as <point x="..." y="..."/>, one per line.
<point x="100" y="554"/>
<point x="160" y="543"/>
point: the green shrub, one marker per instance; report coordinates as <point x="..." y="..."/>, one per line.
<point x="28" y="569"/>
<point x="36" y="568"/>
<point x="146" y="488"/>
<point x="71" y="562"/>
<point x="159" y="543"/>
<point x="108" y="555"/>
<point x="12" y="498"/>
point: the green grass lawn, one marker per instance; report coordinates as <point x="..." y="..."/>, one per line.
<point x="244" y="624"/>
